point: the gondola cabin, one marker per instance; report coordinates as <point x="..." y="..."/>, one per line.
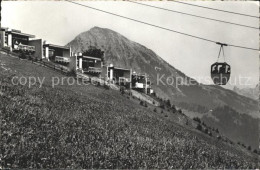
<point x="220" y="73"/>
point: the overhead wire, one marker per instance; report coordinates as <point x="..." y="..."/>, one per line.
<point x="192" y="15"/>
<point x="215" y="9"/>
<point x="160" y="27"/>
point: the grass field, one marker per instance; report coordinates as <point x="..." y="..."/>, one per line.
<point x="85" y="126"/>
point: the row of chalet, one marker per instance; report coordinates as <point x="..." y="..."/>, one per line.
<point x="16" y="41"/>
<point x="120" y="76"/>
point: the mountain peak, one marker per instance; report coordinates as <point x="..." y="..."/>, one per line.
<point x="101" y="30"/>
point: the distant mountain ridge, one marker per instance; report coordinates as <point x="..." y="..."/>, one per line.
<point x="252" y="93"/>
<point x="123" y="52"/>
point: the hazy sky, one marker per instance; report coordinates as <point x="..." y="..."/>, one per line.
<point x="59" y="22"/>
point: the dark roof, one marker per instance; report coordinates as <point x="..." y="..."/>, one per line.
<point x="118" y="68"/>
<point x="89" y="57"/>
<point x="22" y="34"/>
<point x="56" y="46"/>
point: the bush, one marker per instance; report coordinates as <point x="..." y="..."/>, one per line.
<point x="122" y="90"/>
<point x="206" y="130"/>
<point x="197" y="119"/>
<point x="72" y="73"/>
<point x="174" y="109"/>
<point x="255" y="151"/>
<point x="210" y="134"/>
<point x="145" y="104"/>
<point x="162" y="111"/>
<point x="168" y="103"/>
<point x="249" y="148"/>
<point x="155" y="110"/>
<point x="141" y="103"/>
<point x="106" y="86"/>
<point x="162" y="106"/>
<point x="199" y="127"/>
<point x="22" y="55"/>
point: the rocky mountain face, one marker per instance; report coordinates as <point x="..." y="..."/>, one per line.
<point x="123" y="52"/>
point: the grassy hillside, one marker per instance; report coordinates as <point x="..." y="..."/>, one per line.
<point x="90" y="127"/>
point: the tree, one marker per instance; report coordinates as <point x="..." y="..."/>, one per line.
<point x="168" y="103"/>
<point x="174" y="109"/>
<point x="249" y="148"/>
<point x="206" y="130"/>
<point x="162" y="106"/>
<point x="199" y="127"/>
<point x="197" y="119"/>
<point x="210" y="134"/>
<point x="94" y="52"/>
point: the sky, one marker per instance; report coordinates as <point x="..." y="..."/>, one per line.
<point x="59" y="22"/>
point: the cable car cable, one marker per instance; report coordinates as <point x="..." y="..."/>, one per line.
<point x="167" y="29"/>
<point x="220" y="10"/>
<point x="223" y="54"/>
<point x="170" y="10"/>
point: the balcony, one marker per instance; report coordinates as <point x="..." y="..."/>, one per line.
<point x="92" y="70"/>
<point x="62" y="59"/>
<point x="22" y="47"/>
<point x="139" y="85"/>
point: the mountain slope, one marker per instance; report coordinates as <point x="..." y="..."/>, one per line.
<point x="238" y="127"/>
<point x="125" y="53"/>
<point x="252" y="93"/>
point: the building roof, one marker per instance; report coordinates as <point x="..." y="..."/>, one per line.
<point x="22" y="34"/>
<point x="17" y="32"/>
<point x="56" y="46"/>
<point x="4" y="28"/>
<point x="89" y="57"/>
<point x="140" y="75"/>
<point x="118" y="68"/>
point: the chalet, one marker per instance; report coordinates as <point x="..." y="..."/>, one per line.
<point x="117" y="75"/>
<point x="15" y="40"/>
<point x="86" y="64"/>
<point x="142" y="83"/>
<point x="56" y="53"/>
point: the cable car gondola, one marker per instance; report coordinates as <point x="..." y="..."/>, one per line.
<point x="220" y="71"/>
